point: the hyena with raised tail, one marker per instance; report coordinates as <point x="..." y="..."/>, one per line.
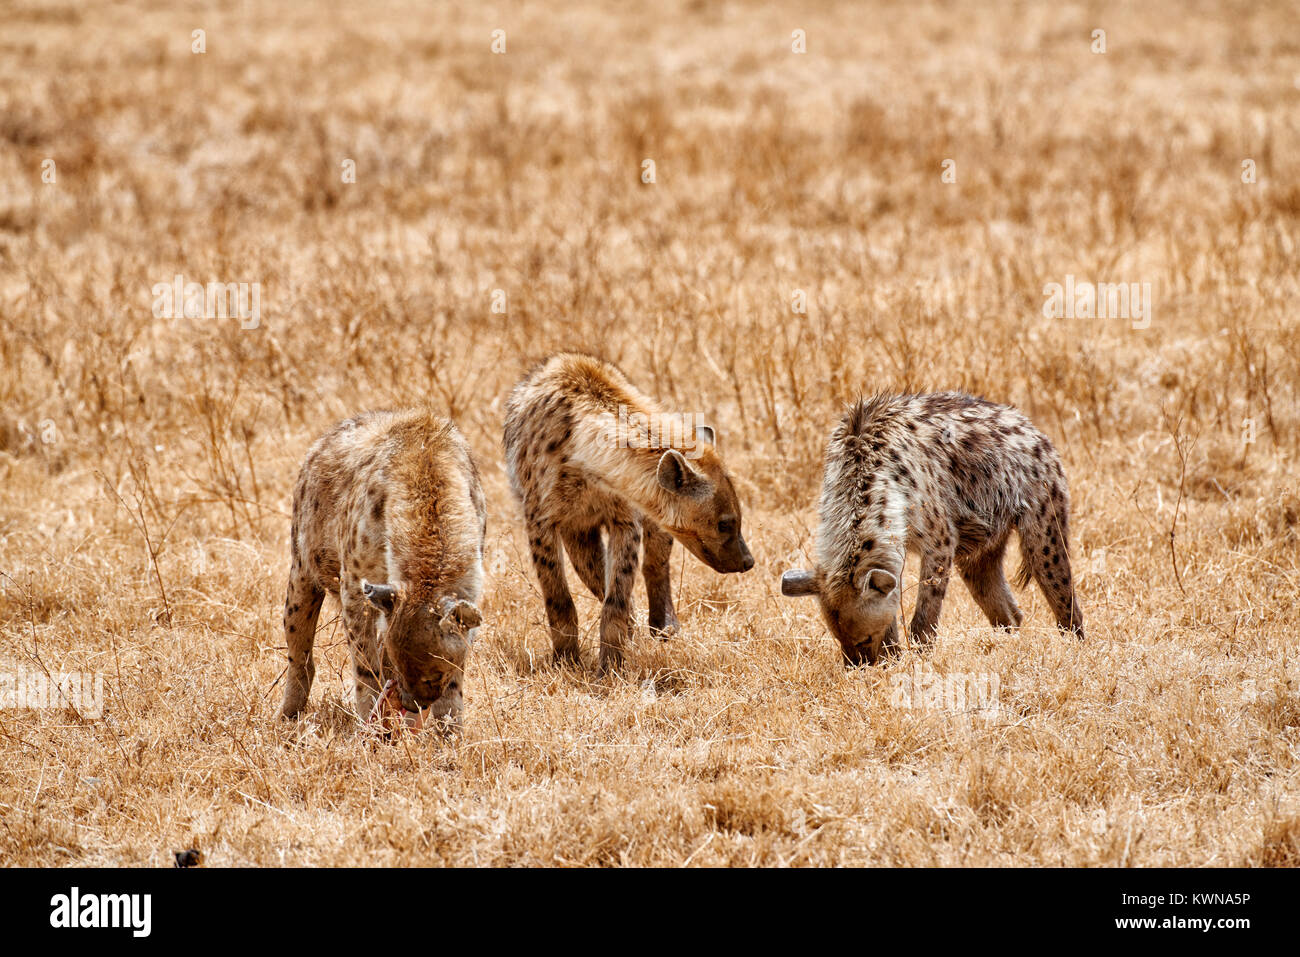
<point x="590" y="455"/>
<point x="388" y="515"/>
<point x="947" y="476"/>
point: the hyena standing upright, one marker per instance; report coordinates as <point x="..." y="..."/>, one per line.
<point x="388" y="515"/>
<point x="948" y="476"/>
<point x="588" y="453"/>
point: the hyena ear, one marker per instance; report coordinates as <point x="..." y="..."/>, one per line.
<point x="881" y="581"/>
<point x="707" y="434"/>
<point x="460" y="613"/>
<point x="382" y="597"/>
<point x="676" y="475"/>
<point x="798" y="582"/>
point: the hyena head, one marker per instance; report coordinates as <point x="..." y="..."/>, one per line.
<point x="705" y="509"/>
<point x="428" y="642"/>
<point x="860" y="609"/>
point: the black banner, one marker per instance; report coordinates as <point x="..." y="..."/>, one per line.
<point x="304" y="907"/>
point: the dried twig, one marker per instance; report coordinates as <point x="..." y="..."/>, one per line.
<point x="142" y="524"/>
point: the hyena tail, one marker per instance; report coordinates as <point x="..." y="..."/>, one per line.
<point x="1045" y="558"/>
<point x="1024" y="574"/>
<point x="587" y="553"/>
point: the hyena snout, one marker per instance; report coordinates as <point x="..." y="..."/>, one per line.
<point x="724" y="552"/>
<point x="428" y="643"/>
<point x="735" y="557"/>
<point x="437" y="696"/>
<point x="709" y="526"/>
<point x="863" y="637"/>
<point x="861" y="616"/>
<point x="869" y="650"/>
<point x="863" y="654"/>
<point x="430" y="683"/>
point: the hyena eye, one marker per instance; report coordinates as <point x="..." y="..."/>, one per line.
<point x="727" y="526"/>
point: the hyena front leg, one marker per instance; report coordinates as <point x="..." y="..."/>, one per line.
<point x="544" y="544"/>
<point x="987" y="583"/>
<point x="359" y="621"/>
<point x="656" y="568"/>
<point x="616" y="615"/>
<point x="302" y="603"/>
<point x="936" y="565"/>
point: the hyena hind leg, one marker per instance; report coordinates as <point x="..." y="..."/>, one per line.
<point x="656" y="567"/>
<point x="616" y="613"/>
<point x="302" y="603"/>
<point x="987" y="584"/>
<point x="1045" y="557"/>
<point x="543" y="543"/>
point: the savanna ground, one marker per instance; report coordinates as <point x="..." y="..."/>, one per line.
<point x="147" y="462"/>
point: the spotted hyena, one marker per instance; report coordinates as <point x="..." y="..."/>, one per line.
<point x="947" y="476"/>
<point x="588" y="454"/>
<point x="388" y="516"/>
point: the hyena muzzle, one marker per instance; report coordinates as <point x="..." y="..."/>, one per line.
<point x="388" y="515"/>
<point x="605" y="473"/>
<point x="948" y="476"/>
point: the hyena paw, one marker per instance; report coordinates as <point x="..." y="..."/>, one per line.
<point x="568" y="654"/>
<point x="669" y="629"/>
<point x="611" y="660"/>
<point x="291" y="712"/>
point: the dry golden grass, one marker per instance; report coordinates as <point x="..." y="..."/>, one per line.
<point x="1169" y="737"/>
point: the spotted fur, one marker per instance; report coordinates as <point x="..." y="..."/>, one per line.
<point x="948" y="476"/>
<point x="388" y="515"/>
<point x="608" y="501"/>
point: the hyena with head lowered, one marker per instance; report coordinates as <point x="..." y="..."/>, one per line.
<point x="947" y="476"/>
<point x="588" y="454"/>
<point x="388" y="515"/>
